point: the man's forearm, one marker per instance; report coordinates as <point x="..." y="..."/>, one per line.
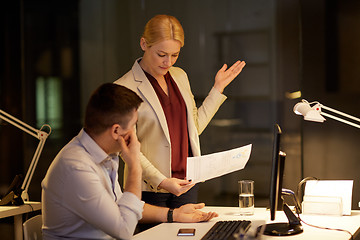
<point x="153" y="213"/>
<point x="133" y="181"/>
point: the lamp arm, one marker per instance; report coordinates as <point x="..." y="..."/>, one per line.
<point x="33" y="164"/>
<point x="19" y="124"/>
<point x="39" y="134"/>
<point x="340" y="119"/>
<point x="340" y="113"/>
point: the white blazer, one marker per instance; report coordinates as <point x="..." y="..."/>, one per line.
<point x="152" y="130"/>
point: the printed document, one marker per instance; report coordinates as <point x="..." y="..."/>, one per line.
<point x="200" y="169"/>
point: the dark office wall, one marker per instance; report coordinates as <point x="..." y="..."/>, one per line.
<point x="10" y="88"/>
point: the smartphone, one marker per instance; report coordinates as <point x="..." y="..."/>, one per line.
<point x="186" y="232"/>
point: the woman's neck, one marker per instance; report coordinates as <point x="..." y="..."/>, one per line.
<point x="159" y="78"/>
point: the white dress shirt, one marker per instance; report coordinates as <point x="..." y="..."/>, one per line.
<point x="82" y="198"/>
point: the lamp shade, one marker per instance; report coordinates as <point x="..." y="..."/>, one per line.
<point x="310" y="114"/>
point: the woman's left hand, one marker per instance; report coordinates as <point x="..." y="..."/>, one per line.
<point x="225" y="76"/>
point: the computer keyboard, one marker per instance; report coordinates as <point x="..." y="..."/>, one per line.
<point x="224" y="230"/>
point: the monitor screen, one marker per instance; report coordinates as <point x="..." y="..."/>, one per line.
<point x="276" y="201"/>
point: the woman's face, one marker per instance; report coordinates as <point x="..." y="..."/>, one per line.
<point x="159" y="57"/>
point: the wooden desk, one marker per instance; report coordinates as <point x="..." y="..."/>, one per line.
<point x="17" y="212"/>
<point x="168" y="231"/>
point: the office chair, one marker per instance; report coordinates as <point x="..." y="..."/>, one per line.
<point x="32" y="228"/>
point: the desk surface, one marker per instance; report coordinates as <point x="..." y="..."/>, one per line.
<point x="351" y="223"/>
<point x="9" y="211"/>
<point x="16" y="212"/>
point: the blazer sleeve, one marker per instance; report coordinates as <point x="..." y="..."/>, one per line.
<point x="151" y="176"/>
<point x="208" y="108"/>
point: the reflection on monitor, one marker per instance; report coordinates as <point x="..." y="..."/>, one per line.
<point x="276" y="200"/>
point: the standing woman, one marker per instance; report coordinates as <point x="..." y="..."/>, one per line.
<point x="169" y="123"/>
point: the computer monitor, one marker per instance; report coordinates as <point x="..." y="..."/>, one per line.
<point x="276" y="201"/>
<point x="277" y="171"/>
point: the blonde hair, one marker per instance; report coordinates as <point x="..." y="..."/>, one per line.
<point x="163" y="27"/>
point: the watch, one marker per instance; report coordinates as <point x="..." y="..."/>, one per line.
<point x="170" y="215"/>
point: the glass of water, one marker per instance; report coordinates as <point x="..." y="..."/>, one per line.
<point x="246" y="197"/>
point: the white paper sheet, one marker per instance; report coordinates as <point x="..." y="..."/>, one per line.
<point x="332" y="188"/>
<point x="200" y="169"/>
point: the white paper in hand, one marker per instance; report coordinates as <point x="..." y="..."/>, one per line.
<point x="200" y="169"/>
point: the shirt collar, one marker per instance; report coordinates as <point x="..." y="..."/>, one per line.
<point x="97" y="153"/>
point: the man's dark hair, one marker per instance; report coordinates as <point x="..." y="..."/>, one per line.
<point x="110" y="104"/>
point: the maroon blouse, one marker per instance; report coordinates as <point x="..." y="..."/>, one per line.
<point x="175" y="112"/>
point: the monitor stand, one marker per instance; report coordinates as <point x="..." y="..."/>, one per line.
<point x="284" y="229"/>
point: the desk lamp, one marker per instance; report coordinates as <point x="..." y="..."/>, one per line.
<point x="316" y="114"/>
<point x="41" y="135"/>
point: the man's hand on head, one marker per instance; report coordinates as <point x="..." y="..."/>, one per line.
<point x="130" y="148"/>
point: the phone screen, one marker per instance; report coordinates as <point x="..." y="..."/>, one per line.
<point x="186" y="232"/>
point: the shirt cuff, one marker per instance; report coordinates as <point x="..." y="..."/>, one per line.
<point x="132" y="202"/>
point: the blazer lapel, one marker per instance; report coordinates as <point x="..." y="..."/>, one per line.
<point x="149" y="95"/>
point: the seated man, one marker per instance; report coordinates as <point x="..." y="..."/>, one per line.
<point x="81" y="195"/>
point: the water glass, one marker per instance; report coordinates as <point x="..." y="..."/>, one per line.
<point x="246" y="197"/>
